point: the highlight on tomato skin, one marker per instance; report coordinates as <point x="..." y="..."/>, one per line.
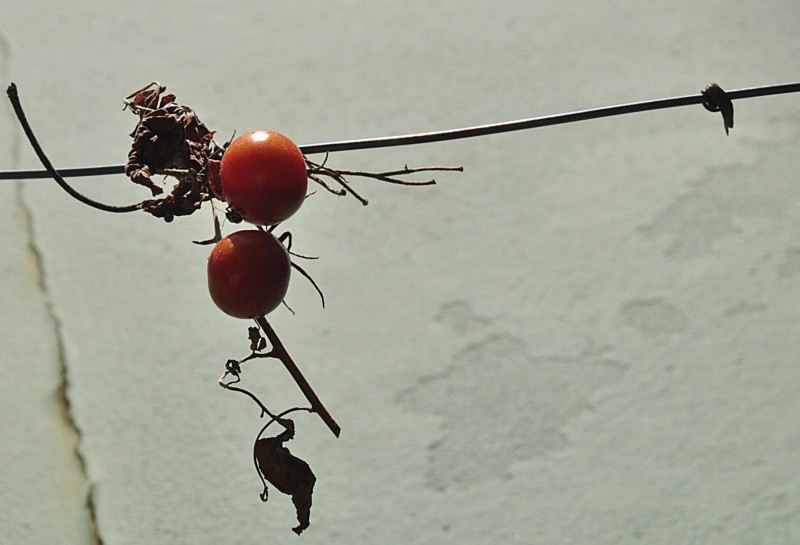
<point x="248" y="273"/>
<point x="264" y="177"/>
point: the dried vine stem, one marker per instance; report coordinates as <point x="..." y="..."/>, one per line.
<point x="273" y="461"/>
<point x="13" y="96"/>
<point x="264" y="410"/>
<point x="279" y="351"/>
<point x="286" y="240"/>
<point x="318" y="171"/>
<point x="230" y="386"/>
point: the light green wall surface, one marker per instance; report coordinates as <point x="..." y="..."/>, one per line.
<point x="590" y="336"/>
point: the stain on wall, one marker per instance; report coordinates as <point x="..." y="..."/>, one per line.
<point x="717" y="205"/>
<point x="654" y="316"/>
<point x="500" y="401"/>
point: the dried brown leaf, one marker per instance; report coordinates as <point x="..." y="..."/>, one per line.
<point x="286" y="472"/>
<point x="169" y="138"/>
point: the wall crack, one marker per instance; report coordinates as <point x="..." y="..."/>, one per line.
<point x="61" y="394"/>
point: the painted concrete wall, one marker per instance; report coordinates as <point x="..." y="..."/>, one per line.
<point x="589" y="336"/>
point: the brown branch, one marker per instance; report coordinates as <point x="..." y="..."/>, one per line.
<point x="279" y="351"/>
<point x="325" y="186"/>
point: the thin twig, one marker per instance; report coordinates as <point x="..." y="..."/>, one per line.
<point x="279" y="418"/>
<point x="13" y="96"/>
<point x="316" y="171"/>
<point x="313" y="283"/>
<point x="264" y="410"/>
<point x="279" y="351"/>
<point x="467" y="132"/>
<point x="325" y="186"/>
<point x="217" y="230"/>
<point x="230" y="386"/>
<point x="392" y="175"/>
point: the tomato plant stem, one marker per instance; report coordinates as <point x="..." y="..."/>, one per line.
<point x="279" y="351"/>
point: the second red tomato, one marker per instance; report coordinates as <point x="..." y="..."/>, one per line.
<point x="264" y="177"/>
<point x="248" y="273"/>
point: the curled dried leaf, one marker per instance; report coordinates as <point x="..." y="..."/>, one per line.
<point x="286" y="472"/>
<point x="257" y="342"/>
<point x="169" y="139"/>
<point x="146" y="98"/>
<point x="186" y="197"/>
<point x="234" y="367"/>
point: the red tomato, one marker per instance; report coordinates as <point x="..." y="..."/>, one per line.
<point x="264" y="177"/>
<point x="248" y="273"/>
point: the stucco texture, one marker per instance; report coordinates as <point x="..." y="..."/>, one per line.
<point x="588" y="336"/>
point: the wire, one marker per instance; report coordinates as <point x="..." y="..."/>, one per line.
<point x="466" y="132"/>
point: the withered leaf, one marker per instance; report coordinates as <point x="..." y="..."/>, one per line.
<point x="169" y="139"/>
<point x="166" y="99"/>
<point x="257" y="342"/>
<point x="146" y="98"/>
<point x="286" y="472"/>
<point x="233" y="367"/>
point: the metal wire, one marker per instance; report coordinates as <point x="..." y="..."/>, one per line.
<point x="455" y="134"/>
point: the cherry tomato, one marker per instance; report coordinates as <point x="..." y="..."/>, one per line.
<point x="248" y="273"/>
<point x="264" y="177"/>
